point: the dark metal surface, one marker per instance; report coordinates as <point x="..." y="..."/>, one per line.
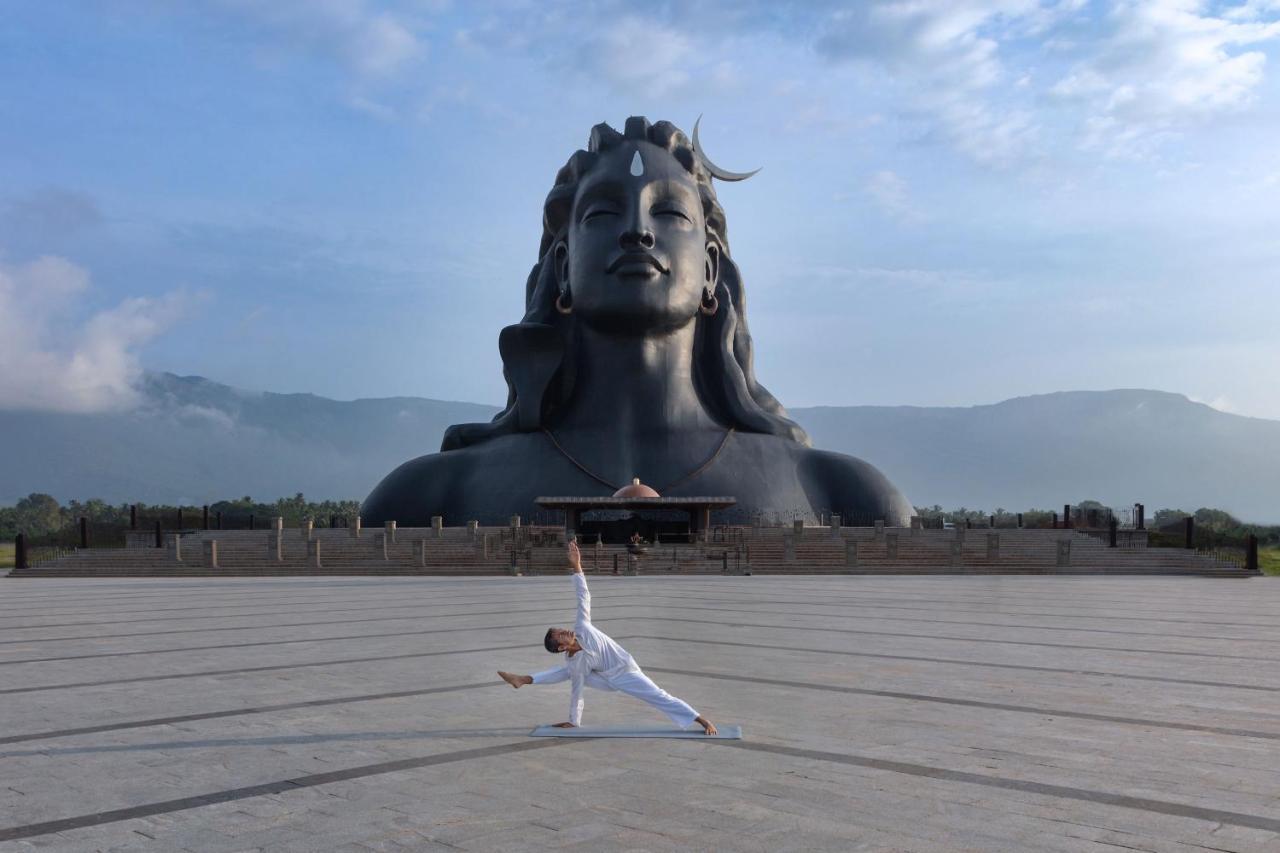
<point x="634" y="349"/>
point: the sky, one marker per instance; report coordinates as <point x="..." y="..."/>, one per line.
<point x="960" y="201"/>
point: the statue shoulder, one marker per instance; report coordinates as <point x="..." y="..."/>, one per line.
<point x="456" y="484"/>
<point x="851" y="486"/>
<point x="420" y="488"/>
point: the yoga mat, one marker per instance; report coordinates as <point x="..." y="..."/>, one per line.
<point x="727" y="732"/>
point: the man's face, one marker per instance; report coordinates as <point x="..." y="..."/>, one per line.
<point x="564" y="637"/>
<point x="637" y="259"/>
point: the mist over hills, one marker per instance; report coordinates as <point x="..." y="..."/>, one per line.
<point x="194" y="441"/>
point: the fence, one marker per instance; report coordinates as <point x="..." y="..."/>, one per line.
<point x="1230" y="546"/>
<point x="143" y="528"/>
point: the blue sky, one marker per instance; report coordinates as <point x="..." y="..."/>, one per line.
<point x="960" y="201"/>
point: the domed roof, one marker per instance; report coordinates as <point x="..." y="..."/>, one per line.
<point x="637" y="489"/>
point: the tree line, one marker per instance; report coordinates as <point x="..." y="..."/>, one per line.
<point x="40" y="514"/>
<point x="1212" y="526"/>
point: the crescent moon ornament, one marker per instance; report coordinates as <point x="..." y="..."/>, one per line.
<point x="714" y="170"/>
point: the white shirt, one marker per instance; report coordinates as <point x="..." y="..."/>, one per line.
<point x="600" y="654"/>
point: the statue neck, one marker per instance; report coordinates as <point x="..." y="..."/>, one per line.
<point x="638" y="390"/>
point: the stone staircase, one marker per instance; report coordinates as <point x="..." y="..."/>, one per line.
<point x="978" y="551"/>
<point x="531" y="550"/>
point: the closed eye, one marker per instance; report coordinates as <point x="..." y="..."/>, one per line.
<point x="598" y="211"/>
<point x="671" y="210"/>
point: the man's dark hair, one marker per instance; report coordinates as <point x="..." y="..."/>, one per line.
<point x="550" y="642"/>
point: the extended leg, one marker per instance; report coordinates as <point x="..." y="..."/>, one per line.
<point x="641" y="686"/>
<point x="551" y="676"/>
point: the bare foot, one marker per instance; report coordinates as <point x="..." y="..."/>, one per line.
<point x="514" y="680"/>
<point x="564" y="726"/>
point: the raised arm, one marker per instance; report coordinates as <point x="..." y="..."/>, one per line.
<point x="579" y="583"/>
<point x="584" y="599"/>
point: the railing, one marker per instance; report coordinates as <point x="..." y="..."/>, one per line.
<point x="1237" y="557"/>
<point x="40" y="554"/>
<point x="1125" y="538"/>
<point x="1227" y="547"/>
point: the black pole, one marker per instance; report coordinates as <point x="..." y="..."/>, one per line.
<point x="1055" y="521"/>
<point x="1111" y="529"/>
<point x="1251" y="553"/>
<point x="1019" y="521"/>
<point x="1066" y="516"/>
<point x="1191" y="532"/>
<point x="219" y="522"/>
<point x="159" y="535"/>
<point x="84" y="532"/>
<point x="133" y="516"/>
<point x="20" y="551"/>
<point x="204" y="518"/>
<point x="1142" y="516"/>
<point x="250" y="521"/>
<point x="179" y="518"/>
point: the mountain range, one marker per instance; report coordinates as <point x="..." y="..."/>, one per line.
<point x="193" y="441"/>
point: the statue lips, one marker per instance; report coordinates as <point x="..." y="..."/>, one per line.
<point x="636" y="264"/>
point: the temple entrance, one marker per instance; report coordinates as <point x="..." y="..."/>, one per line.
<point x="617" y="519"/>
<point x="652" y="527"/>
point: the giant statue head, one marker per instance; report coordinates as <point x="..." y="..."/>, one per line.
<point x="633" y="360"/>
<point x="634" y="244"/>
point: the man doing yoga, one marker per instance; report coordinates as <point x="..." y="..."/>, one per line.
<point x="593" y="659"/>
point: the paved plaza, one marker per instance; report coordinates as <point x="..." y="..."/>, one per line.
<point x="880" y="713"/>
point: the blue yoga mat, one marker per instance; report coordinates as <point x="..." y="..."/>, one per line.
<point x="726" y="732"/>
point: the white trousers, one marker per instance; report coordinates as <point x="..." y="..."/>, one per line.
<point x="636" y="685"/>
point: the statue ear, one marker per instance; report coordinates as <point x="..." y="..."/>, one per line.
<point x="561" y="261"/>
<point x="713" y="263"/>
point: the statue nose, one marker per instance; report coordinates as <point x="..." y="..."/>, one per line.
<point x="637" y="239"/>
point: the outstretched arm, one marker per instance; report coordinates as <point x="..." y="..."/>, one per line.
<point x="576" y="702"/>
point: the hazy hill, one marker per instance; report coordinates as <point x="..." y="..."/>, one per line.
<point x="1116" y="446"/>
<point x="195" y="440"/>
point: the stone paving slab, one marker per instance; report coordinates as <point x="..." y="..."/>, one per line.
<point x="891" y="714"/>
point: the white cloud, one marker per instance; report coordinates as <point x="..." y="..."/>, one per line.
<point x="370" y="107"/>
<point x="208" y="416"/>
<point x="1136" y="71"/>
<point x="370" y="41"/>
<point x="946" y="54"/>
<point x="920" y="282"/>
<point x="639" y="56"/>
<point x="1222" y="403"/>
<point x="51" y="362"/>
<point x="889" y="191"/>
<point x="1163" y="65"/>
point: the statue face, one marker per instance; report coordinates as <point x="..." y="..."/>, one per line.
<point x="637" y="256"/>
